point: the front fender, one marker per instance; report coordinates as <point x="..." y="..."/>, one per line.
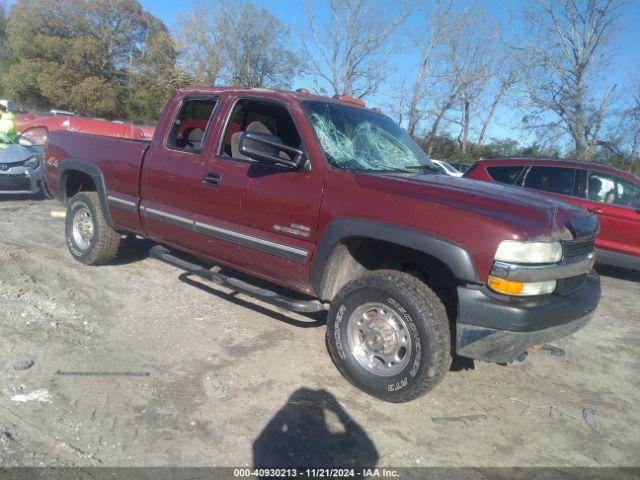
<point x="451" y="254"/>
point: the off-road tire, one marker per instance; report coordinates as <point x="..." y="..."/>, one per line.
<point x="423" y="314"/>
<point x="104" y="245"/>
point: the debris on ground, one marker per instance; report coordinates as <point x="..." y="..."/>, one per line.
<point x="40" y="395"/>
<point x="23" y="364"/>
<point x="461" y="418"/>
<point x="58" y="214"/>
<point x="553" y="350"/>
<point x="104" y="374"/>
<point x="217" y="386"/>
<point x="590" y="416"/>
<point x="553" y="411"/>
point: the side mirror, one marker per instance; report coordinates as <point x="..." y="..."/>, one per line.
<point x="269" y="149"/>
<point x="24" y="141"/>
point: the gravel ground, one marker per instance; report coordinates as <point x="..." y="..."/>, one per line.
<point x="233" y="382"/>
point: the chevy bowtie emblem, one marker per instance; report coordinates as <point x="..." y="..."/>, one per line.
<point x="294" y="229"/>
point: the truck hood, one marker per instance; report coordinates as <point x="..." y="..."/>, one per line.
<point x="14" y="153"/>
<point x="538" y="217"/>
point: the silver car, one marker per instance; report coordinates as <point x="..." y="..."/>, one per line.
<point x="21" y="169"/>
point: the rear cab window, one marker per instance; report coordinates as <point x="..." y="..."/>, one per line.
<point x="189" y="128"/>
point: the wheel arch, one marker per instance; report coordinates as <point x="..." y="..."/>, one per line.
<point x="335" y="264"/>
<point x="72" y="166"/>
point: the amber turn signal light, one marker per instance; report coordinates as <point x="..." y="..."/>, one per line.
<point x="501" y="285"/>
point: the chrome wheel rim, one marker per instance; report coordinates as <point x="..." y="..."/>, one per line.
<point x="379" y="339"/>
<point x="83" y="228"/>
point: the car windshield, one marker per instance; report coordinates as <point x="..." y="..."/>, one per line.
<point x="362" y="140"/>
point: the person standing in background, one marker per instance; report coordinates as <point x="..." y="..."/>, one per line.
<point x="8" y="123"/>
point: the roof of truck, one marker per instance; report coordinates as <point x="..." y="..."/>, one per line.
<point x="300" y="95"/>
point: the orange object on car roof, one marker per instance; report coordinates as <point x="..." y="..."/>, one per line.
<point x="348" y="99"/>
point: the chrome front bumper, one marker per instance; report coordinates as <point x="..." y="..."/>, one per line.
<point x="542" y="273"/>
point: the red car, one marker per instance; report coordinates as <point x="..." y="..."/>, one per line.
<point x="613" y="194"/>
<point x="37" y="129"/>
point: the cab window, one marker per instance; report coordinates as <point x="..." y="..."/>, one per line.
<point x="189" y="128"/>
<point x="551" y="179"/>
<point x="260" y="116"/>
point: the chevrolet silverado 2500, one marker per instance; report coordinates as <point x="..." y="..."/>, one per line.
<point x="335" y="206"/>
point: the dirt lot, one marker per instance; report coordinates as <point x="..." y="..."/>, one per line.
<point x="232" y="382"/>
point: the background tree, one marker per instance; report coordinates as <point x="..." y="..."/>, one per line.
<point x="564" y="54"/>
<point x="349" y="52"/>
<point x="84" y="55"/>
<point x="236" y="43"/>
<point x="441" y="25"/>
<point x="471" y="61"/>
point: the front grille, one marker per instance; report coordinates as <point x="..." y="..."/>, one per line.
<point x="15" y="182"/>
<point x="576" y="250"/>
<point x="567" y="286"/>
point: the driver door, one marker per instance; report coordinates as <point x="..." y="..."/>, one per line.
<point x="261" y="218"/>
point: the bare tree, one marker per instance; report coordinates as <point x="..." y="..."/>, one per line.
<point x="198" y="39"/>
<point x="565" y="51"/>
<point x="441" y="25"/>
<point x="472" y="63"/>
<point x="634" y="123"/>
<point x="350" y="51"/>
<point x="505" y="80"/>
<point x="237" y="43"/>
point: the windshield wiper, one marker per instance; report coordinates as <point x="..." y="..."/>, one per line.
<point x="429" y="168"/>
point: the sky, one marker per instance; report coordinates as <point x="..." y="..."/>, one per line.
<point x="624" y="63"/>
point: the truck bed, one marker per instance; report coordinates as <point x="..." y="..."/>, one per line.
<point x="118" y="159"/>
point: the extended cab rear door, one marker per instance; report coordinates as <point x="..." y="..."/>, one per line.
<point x="173" y="170"/>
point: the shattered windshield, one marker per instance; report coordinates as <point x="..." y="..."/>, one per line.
<point x="362" y="140"/>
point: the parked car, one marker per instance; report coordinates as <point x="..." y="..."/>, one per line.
<point x="334" y="205"/>
<point x="62" y="113"/>
<point x="446" y="168"/>
<point x="461" y="167"/>
<point x="37" y="130"/>
<point x="21" y="170"/>
<point x="612" y="194"/>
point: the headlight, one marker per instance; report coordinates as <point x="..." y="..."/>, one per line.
<point x="32" y="163"/>
<point x="521" y="289"/>
<point x="529" y="252"/>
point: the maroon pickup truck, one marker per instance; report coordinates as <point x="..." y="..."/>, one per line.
<point x="335" y="207"/>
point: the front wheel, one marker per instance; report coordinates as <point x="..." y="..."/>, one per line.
<point x="89" y="237"/>
<point x="388" y="334"/>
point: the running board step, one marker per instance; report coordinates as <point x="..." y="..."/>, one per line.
<point x="304" y="306"/>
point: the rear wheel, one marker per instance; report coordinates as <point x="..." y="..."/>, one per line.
<point x="388" y="334"/>
<point x="90" y="239"/>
